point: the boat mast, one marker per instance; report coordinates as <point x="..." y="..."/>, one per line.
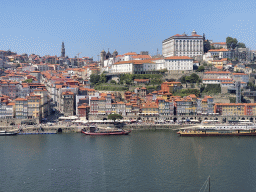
<point x="209" y="184"/>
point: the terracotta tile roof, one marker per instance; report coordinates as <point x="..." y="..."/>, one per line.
<point x="67" y="93"/>
<point x="83" y="107"/>
<point x="20" y="99"/>
<point x="221" y="79"/>
<point x="220" y="43"/>
<point x="218" y="50"/>
<point x="196" y="35"/>
<point x="234" y="104"/>
<point x="149" y="105"/>
<point x="177" y="35"/>
<point x="94" y="99"/>
<point x="141" y="57"/>
<point x="217" y="72"/>
<point x="141" y="80"/>
<point x="58" y="86"/>
<point x="178" y="57"/>
<point x="135" y="62"/>
<point x="131" y="53"/>
<point x="192" y="95"/>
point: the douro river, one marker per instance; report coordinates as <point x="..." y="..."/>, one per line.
<point x="141" y="161"/>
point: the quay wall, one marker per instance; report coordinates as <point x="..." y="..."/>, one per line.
<point x="139" y="127"/>
<point x="76" y="129"/>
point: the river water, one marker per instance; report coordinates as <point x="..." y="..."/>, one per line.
<point x="141" y="161"/>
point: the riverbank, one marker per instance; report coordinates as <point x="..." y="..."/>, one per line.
<point x="142" y="127"/>
<point x="77" y="128"/>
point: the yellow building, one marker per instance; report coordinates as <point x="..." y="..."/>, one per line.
<point x="45" y="101"/>
<point x="150" y="108"/>
<point x="218" y="63"/>
<point x="235" y="109"/>
<point x="34" y="106"/>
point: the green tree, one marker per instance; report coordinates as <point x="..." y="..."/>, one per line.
<point x="103" y="78"/>
<point x="207" y="46"/>
<point x="251" y="86"/>
<point x="241" y="45"/>
<point x="115" y="116"/>
<point x="94" y="79"/>
<point x="211" y="89"/>
<point x="28" y="81"/>
<point x="194" y="78"/>
<point x="231" y="42"/>
<point x="200" y="69"/>
<point x="232" y="99"/>
<point x="113" y="82"/>
<point x="188" y="79"/>
<point x="183" y="79"/>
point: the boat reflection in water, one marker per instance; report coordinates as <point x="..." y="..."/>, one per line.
<point x="247" y="129"/>
<point x="93" y="130"/>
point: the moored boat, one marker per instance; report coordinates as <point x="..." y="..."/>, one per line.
<point x="218" y="130"/>
<point x="93" y="130"/>
<point x="8" y="133"/>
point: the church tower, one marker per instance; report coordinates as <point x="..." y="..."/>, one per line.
<point x="102" y="57"/>
<point x="62" y="50"/>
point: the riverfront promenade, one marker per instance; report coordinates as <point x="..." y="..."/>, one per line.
<point x="71" y="128"/>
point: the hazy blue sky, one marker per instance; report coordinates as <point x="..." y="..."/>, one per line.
<point x="32" y="26"/>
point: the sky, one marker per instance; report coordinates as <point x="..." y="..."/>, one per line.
<point x="88" y="27"/>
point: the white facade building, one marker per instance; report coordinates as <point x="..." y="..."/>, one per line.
<point x="122" y="67"/>
<point x="176" y="63"/>
<point x="183" y="45"/>
<point x="220" y="53"/>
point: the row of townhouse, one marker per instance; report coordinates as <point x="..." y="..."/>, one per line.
<point x="23" y="94"/>
<point x="21" y="108"/>
<point x="161" y="107"/>
<point x="191" y="105"/>
<point x="235" y="109"/>
<point x="15" y="89"/>
<point x="35" y="105"/>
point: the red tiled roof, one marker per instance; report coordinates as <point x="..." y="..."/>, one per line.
<point x="131" y="53"/>
<point x="94" y="99"/>
<point x="178" y="57"/>
<point x="217" y="72"/>
<point x="141" y="57"/>
<point x="196" y="35"/>
<point x="218" y="50"/>
<point x="217" y="79"/>
<point x="221" y="43"/>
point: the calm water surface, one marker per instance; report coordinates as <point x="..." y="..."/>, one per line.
<point x="141" y="161"/>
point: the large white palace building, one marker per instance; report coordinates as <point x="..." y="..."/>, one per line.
<point x="183" y="45"/>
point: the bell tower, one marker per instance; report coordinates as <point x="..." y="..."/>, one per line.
<point x="62" y="50"/>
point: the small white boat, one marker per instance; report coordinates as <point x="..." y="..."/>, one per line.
<point x="8" y="133"/>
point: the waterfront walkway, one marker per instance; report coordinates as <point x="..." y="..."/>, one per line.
<point x="68" y="128"/>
